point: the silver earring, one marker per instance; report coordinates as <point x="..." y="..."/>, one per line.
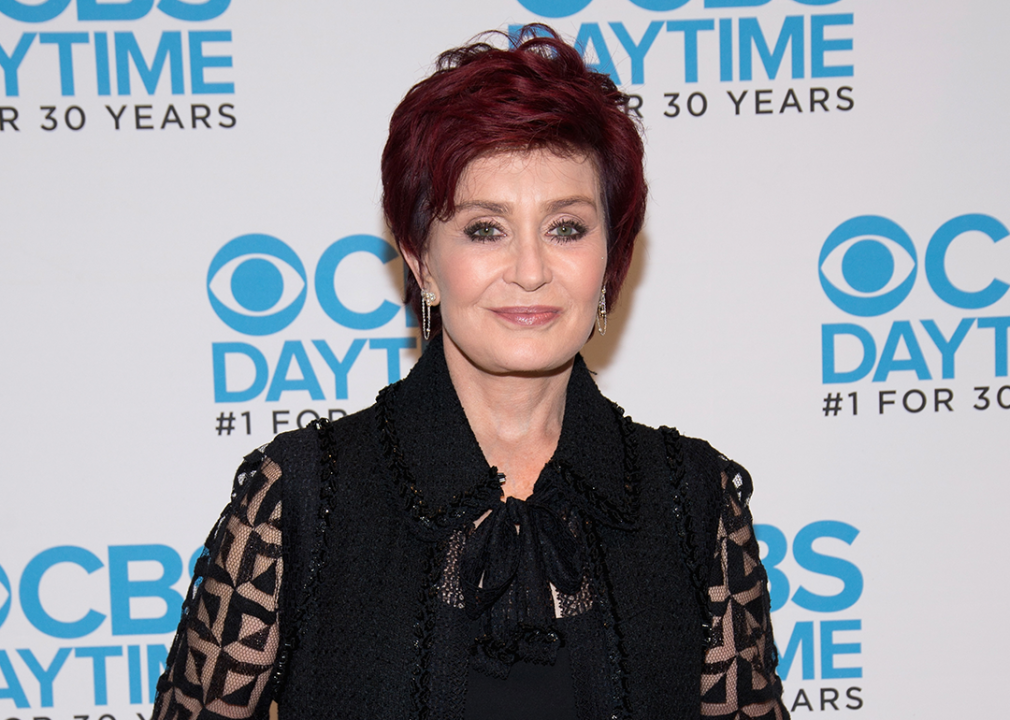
<point x="601" y="312"/>
<point x="427" y="300"/>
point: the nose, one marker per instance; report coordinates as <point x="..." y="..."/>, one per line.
<point x="529" y="267"/>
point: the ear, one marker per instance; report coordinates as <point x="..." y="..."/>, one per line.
<point x="418" y="270"/>
<point x="414" y="263"/>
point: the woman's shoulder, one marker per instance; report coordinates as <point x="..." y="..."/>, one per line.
<point x="297" y="460"/>
<point x="674" y="445"/>
<point x="693" y="461"/>
<point x="299" y="451"/>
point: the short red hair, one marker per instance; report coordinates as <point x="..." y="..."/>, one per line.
<point x="536" y="95"/>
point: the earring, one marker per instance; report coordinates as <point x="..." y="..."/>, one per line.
<point x="427" y="300"/>
<point x="601" y="312"/>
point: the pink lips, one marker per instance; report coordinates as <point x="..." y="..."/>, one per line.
<point x="528" y="316"/>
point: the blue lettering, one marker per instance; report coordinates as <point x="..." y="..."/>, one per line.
<point x="294" y="350"/>
<point x="130" y="10"/>
<point x="819" y="46"/>
<point x="947" y="347"/>
<point x="604" y="64"/>
<point x="828" y="334"/>
<point x="98" y="656"/>
<point x="45" y="676"/>
<point x="803" y="636"/>
<point x="901" y="330"/>
<point x="637" y="51"/>
<point x="169" y="48"/>
<point x="33" y="13"/>
<point x="725" y="49"/>
<point x="65" y="43"/>
<point x="339" y="367"/>
<point x="122" y="589"/>
<point x="829" y="649"/>
<point x="221" y="391"/>
<point x="11" y="63"/>
<point x="198" y="61"/>
<point x="777" y="544"/>
<point x="31" y="605"/>
<point x="193" y="12"/>
<point x="999" y="326"/>
<point x="810" y="559"/>
<point x="13" y="691"/>
<point x="133" y="662"/>
<point x="102" y="63"/>
<point x="690" y="28"/>
<point x="392" y="346"/>
<point x="326" y="291"/>
<point x="936" y="255"/>
<point x="751" y="35"/>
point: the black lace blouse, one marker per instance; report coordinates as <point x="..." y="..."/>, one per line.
<point x="518" y="581"/>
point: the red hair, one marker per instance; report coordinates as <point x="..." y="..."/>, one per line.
<point x="536" y="95"/>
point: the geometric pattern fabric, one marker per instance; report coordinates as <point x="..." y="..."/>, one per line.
<point x="738" y="681"/>
<point x="224" y="654"/>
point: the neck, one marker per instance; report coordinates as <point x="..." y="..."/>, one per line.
<point x="516" y="418"/>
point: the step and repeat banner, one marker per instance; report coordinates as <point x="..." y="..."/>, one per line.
<point x="192" y="259"/>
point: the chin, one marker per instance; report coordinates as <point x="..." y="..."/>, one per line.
<point x="527" y="356"/>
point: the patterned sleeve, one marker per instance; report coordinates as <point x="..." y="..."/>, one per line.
<point x="739" y="680"/>
<point x="223" y="655"/>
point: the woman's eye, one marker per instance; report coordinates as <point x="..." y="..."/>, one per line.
<point x="568" y="230"/>
<point x="483" y="231"/>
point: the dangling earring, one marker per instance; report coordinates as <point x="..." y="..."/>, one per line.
<point x="427" y="300"/>
<point x="601" y="312"/>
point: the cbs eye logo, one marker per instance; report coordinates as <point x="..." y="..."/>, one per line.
<point x="257" y="284"/>
<point x="867" y="266"/>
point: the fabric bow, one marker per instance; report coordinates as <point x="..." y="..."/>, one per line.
<point x="507" y="568"/>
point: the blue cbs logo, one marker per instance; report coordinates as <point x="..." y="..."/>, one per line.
<point x="869" y="264"/>
<point x="257" y="284"/>
<point x="875" y="259"/>
<point x="564" y="8"/>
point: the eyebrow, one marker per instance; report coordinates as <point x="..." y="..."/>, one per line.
<point x="504" y="208"/>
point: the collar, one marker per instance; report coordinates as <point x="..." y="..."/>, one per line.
<point x="443" y="479"/>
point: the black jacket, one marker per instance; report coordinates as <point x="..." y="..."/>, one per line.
<point x="376" y="617"/>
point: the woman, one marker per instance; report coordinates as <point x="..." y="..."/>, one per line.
<point x="493" y="538"/>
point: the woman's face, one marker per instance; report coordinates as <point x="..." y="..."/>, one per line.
<point x="517" y="271"/>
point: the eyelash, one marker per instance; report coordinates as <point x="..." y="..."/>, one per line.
<point x="578" y="228"/>
<point x="474" y="228"/>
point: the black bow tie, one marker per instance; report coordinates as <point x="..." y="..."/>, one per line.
<point x="507" y="568"/>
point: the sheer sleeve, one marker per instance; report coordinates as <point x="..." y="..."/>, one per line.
<point x="739" y="680"/>
<point x="223" y="655"/>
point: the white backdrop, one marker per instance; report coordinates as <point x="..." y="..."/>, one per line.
<point x="858" y="369"/>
